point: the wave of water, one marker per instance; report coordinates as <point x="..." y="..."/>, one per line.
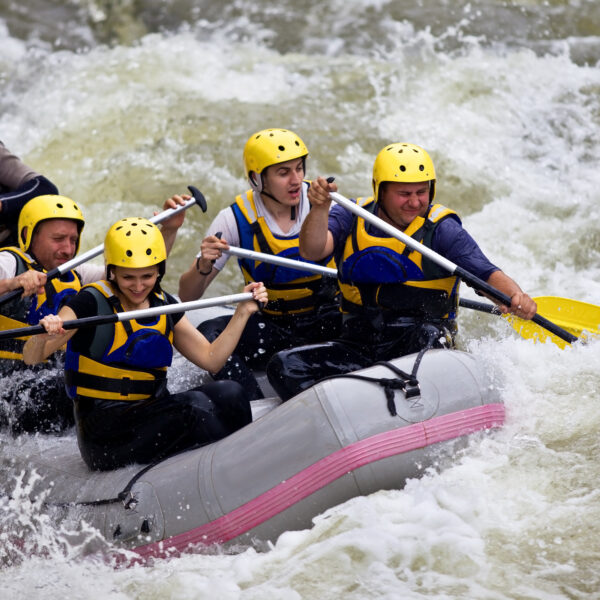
<point x="124" y="103"/>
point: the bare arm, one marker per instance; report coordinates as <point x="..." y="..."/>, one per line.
<point x="316" y="241"/>
<point x="169" y="227"/>
<point x="31" y="281"/>
<point x="212" y="356"/>
<point x="39" y="347"/>
<point x="521" y="304"/>
<point x="193" y="283"/>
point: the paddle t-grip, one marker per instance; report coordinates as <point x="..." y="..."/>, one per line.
<point x="198" y="196"/>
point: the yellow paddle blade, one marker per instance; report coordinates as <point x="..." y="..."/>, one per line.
<point x="579" y="318"/>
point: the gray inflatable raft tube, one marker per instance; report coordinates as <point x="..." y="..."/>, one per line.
<point x="333" y="442"/>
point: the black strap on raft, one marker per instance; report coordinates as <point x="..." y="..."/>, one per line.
<point x="408" y="383"/>
<point x="125" y="496"/>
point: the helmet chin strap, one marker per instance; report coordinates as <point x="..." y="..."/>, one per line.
<point x="385" y="212"/>
<point x="257" y="186"/>
<point x="35" y="260"/>
<point x="292" y="208"/>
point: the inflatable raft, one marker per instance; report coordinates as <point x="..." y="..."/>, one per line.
<point x="342" y="438"/>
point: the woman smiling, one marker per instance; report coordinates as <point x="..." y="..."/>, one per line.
<point x="116" y="373"/>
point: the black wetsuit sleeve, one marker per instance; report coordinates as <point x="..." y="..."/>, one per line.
<point x="83" y="304"/>
<point x="175" y="316"/>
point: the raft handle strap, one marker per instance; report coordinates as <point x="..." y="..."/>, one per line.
<point x="409" y="384"/>
<point x="405" y="382"/>
<point x="125" y="496"/>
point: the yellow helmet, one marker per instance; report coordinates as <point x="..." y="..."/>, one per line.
<point x="44" y="208"/>
<point x="406" y="163"/>
<point x="271" y="147"/>
<point x="135" y="243"/>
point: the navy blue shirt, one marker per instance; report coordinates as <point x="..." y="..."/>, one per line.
<point x="450" y="240"/>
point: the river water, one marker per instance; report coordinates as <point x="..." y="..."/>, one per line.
<point x="123" y="103"/>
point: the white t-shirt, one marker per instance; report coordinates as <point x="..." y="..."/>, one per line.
<point x="225" y="222"/>
<point x="88" y="273"/>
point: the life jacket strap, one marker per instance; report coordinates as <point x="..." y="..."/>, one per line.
<point x="125" y="386"/>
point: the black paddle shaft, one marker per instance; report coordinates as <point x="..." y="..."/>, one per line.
<point x="490" y="309"/>
<point x="74" y="324"/>
<point x="446" y="264"/>
<point x="177" y="307"/>
<point x="491" y="291"/>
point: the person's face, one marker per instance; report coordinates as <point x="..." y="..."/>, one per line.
<point x="284" y="181"/>
<point x="54" y="242"/>
<point x="405" y="201"/>
<point x="135" y="284"/>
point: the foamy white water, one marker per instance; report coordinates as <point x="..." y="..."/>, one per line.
<point x="121" y="114"/>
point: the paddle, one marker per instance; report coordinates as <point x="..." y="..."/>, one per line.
<point x="446" y="264"/>
<point x="198" y="199"/>
<point x="579" y="318"/>
<point x="130" y="315"/>
<point x="280" y="260"/>
<point x="574" y="316"/>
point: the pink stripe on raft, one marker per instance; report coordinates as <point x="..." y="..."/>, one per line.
<point x="328" y="469"/>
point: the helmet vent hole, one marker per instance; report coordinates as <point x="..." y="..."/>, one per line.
<point x="129" y="253"/>
<point x="282" y="148"/>
<point x="402" y="168"/>
<point x="120" y="227"/>
<point x="421" y="167"/>
<point x="297" y="143"/>
<point x="134" y="224"/>
<point x="144" y="232"/>
<point x="128" y="233"/>
<point x="59" y="205"/>
<point x="148" y="251"/>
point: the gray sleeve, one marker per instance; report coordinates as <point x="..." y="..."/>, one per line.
<point x="13" y="173"/>
<point x="90" y="273"/>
